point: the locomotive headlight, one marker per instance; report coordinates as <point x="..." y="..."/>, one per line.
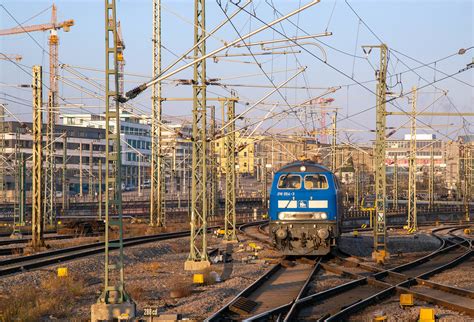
<point x="323" y="233"/>
<point x="320" y="215"/>
<point x="281" y="233"/>
<point x="303" y="168"/>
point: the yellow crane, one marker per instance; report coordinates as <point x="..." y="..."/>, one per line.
<point x="120" y="58"/>
<point x="53" y="26"/>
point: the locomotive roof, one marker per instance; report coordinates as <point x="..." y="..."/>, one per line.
<point x="311" y="166"/>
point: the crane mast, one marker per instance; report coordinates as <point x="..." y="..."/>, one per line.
<point x="53" y="107"/>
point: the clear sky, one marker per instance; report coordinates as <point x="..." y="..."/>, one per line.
<point x="424" y="30"/>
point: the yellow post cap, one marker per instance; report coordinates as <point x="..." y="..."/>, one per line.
<point x="198" y="278"/>
<point x="427" y="315"/>
<point x="62" y="272"/>
<point x="406" y="299"/>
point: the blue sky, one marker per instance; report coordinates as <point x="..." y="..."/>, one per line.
<point x="424" y="30"/>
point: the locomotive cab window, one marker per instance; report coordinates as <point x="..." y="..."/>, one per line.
<point x="315" y="181"/>
<point x="289" y="181"/>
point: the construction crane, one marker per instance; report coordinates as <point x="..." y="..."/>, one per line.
<point x="323" y="104"/>
<point x="53" y="108"/>
<point x="120" y="58"/>
<point x="53" y="26"/>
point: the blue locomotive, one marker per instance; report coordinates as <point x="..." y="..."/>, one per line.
<point x="305" y="209"/>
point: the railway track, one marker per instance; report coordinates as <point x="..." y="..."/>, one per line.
<point x="338" y="303"/>
<point x="283" y="283"/>
<point x="256" y="232"/>
<point x="27" y="233"/>
<point x="10" y="241"/>
<point x="8" y="251"/>
<point x="24" y="263"/>
<point x="368" y="285"/>
<point x="399" y="226"/>
<point x="52" y="235"/>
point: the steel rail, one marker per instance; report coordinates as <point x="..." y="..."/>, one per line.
<point x="242" y="230"/>
<point x="6" y="242"/>
<point x="24" y="263"/>
<point x="258" y="286"/>
<point x="244" y="293"/>
<point x="27" y="233"/>
<point x="266" y="316"/>
<point x="387" y="288"/>
<point x="224" y="312"/>
<point x="405" y="284"/>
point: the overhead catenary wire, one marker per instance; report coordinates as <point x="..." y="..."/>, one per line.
<point x="266" y="75"/>
<point x="137" y="90"/>
<point x="363" y="86"/>
<point x="401" y="61"/>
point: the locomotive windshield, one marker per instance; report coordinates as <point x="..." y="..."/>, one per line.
<point x="289" y="181"/>
<point x="315" y="181"/>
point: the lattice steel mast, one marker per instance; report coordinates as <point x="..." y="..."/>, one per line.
<point x="81" y="176"/>
<point x="198" y="242"/>
<point x="412" y="211"/>
<point x="49" y="178"/>
<point x="395" y="183"/>
<point x="18" y="213"/>
<point x="230" y="175"/>
<point x="380" y="233"/>
<point x="431" y="180"/>
<point x="157" y="191"/>
<point x="264" y="180"/>
<point x="99" y="174"/>
<point x="334" y="142"/>
<point x="91" y="173"/>
<point x="114" y="288"/>
<point x="64" y="176"/>
<point x="37" y="185"/>
<point x="213" y="166"/>
<point x="2" y="147"/>
<point x="467" y="184"/>
<point x="356" y="188"/>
